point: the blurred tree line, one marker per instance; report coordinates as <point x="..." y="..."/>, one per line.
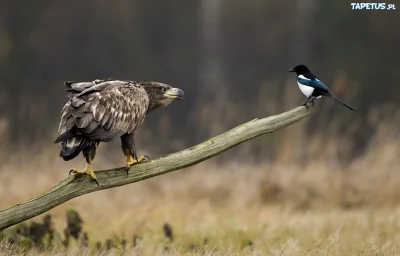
<point x="220" y="52"/>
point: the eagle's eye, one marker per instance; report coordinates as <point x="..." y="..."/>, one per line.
<point x="164" y="89"/>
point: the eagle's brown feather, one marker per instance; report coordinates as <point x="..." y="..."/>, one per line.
<point x="119" y="108"/>
<point x="102" y="110"/>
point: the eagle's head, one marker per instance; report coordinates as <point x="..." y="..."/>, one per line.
<point x="161" y="95"/>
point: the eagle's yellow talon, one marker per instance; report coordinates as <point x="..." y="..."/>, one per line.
<point x="130" y="161"/>
<point x="87" y="170"/>
<point x="141" y="159"/>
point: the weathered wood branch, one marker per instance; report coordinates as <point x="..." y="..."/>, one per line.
<point x="75" y="186"/>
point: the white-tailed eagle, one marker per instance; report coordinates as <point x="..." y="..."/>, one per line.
<point x="102" y="110"/>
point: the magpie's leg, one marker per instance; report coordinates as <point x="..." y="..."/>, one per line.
<point x="312" y="101"/>
<point x="305" y="103"/>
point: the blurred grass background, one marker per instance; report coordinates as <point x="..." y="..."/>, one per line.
<point x="327" y="185"/>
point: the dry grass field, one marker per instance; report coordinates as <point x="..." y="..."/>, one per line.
<point x="235" y="207"/>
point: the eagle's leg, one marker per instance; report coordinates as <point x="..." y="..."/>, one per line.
<point x="129" y="149"/>
<point x="129" y="159"/>
<point x="89" y="154"/>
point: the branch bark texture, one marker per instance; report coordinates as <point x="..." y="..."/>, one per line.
<point x="75" y="186"/>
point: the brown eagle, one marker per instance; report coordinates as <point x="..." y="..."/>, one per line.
<point x="102" y="110"/>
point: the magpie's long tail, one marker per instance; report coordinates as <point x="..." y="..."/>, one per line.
<point x="341" y="102"/>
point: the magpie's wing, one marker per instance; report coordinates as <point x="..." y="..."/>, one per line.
<point x="317" y="84"/>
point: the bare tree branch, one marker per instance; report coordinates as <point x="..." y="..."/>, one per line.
<point x="75" y="186"/>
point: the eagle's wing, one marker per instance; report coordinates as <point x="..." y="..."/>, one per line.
<point x="102" y="110"/>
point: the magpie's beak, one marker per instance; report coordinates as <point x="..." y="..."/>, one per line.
<point x="291" y="70"/>
<point x="175" y="93"/>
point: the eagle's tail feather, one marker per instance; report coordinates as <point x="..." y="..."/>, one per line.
<point x="71" y="144"/>
<point x="72" y="147"/>
<point x="65" y="136"/>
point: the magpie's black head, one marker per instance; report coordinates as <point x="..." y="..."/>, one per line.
<point x="300" y="69"/>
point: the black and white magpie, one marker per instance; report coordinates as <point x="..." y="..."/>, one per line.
<point x="312" y="87"/>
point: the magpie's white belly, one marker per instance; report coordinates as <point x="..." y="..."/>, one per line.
<point x="306" y="90"/>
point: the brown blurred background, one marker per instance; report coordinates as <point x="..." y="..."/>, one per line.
<point x="230" y="57"/>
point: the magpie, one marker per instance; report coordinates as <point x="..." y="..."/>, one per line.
<point x="312" y="87"/>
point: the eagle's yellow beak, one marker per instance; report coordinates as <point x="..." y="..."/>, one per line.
<point x="175" y="93"/>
